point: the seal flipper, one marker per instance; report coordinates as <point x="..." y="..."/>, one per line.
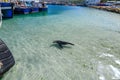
<point x="70" y="43"/>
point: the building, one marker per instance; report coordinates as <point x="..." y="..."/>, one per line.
<point x="8" y="0"/>
<point x="92" y="2"/>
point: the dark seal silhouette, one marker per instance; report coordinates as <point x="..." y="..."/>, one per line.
<point x="62" y="43"/>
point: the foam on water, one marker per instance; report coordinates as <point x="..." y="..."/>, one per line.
<point x="95" y="34"/>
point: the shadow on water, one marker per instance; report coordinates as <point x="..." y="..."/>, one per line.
<point x="1" y="77"/>
<point x="58" y="9"/>
<point x="117" y="31"/>
<point x="58" y="47"/>
<point x="6" y="18"/>
<point x="43" y="13"/>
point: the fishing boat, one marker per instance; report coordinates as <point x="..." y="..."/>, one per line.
<point x="6" y="9"/>
<point x="43" y="9"/>
<point x="26" y="7"/>
<point x="33" y="6"/>
<point x="20" y="8"/>
<point x="43" y="6"/>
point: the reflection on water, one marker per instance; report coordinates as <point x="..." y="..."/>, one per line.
<point x="44" y="13"/>
<point x="95" y="55"/>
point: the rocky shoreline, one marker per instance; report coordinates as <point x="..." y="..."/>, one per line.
<point x="107" y="8"/>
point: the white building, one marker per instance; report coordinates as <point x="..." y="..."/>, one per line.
<point x="92" y="1"/>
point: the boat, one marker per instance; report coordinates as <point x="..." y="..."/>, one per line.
<point x="42" y="6"/>
<point x="34" y="9"/>
<point x="26" y="7"/>
<point x="7" y="9"/>
<point x="20" y="8"/>
<point x="6" y="58"/>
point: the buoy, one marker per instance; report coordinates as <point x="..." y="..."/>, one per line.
<point x="6" y="58"/>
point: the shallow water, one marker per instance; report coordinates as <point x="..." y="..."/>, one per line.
<point x="95" y="55"/>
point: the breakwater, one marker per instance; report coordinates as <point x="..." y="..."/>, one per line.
<point x="108" y="8"/>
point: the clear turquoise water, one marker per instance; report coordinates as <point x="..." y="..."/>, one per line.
<point x="95" y="33"/>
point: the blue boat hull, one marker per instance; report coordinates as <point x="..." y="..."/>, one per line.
<point x="28" y="10"/>
<point x="22" y="10"/>
<point x="7" y="10"/>
<point x="33" y="10"/>
<point x="43" y="9"/>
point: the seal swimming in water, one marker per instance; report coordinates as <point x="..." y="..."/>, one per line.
<point x="61" y="43"/>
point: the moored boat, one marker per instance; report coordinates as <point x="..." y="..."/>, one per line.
<point x="26" y="7"/>
<point x="42" y="6"/>
<point x="7" y="9"/>
<point x="43" y="9"/>
<point x="21" y="10"/>
<point x="34" y="9"/>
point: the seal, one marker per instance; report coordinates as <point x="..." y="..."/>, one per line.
<point x="62" y="43"/>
